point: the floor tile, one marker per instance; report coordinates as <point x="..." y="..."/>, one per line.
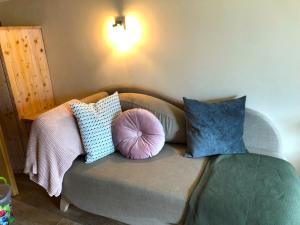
<point x="28" y="215"/>
<point x="65" y="221"/>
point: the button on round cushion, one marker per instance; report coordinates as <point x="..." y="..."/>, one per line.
<point x="138" y="134"/>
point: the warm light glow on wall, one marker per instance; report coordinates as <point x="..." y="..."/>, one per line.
<point x="125" y="37"/>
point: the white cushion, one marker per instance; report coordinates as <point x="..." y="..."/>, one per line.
<point x="94" y="121"/>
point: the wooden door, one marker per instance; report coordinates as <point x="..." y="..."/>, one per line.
<point x="25" y="86"/>
<point x="27" y="69"/>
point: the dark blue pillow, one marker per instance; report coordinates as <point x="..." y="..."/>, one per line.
<point x="215" y="128"/>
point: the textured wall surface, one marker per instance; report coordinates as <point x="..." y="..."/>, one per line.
<point x="200" y="49"/>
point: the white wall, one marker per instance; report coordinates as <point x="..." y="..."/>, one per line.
<point x="214" y="48"/>
<point x="196" y="48"/>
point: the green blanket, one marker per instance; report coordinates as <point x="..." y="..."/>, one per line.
<point x="246" y="189"/>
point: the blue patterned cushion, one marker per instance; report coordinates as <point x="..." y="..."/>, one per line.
<point x="215" y="128"/>
<point x="94" y="121"/>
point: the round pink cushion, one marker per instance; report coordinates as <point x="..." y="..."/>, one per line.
<point x="138" y="134"/>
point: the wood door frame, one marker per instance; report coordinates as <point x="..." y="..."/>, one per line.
<point x="9" y="119"/>
<point x="6" y="166"/>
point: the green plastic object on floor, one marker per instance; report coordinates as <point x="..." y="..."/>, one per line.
<point x="6" y="217"/>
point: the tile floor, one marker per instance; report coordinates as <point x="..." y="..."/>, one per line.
<point x="34" y="207"/>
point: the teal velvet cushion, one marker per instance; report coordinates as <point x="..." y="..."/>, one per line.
<point x="94" y="121"/>
<point x="215" y="128"/>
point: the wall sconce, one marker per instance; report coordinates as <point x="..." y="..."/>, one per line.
<point x="124" y="33"/>
<point x="120" y="21"/>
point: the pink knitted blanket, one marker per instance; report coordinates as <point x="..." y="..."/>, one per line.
<point x="54" y="144"/>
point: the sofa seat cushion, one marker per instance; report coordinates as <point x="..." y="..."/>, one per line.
<point x="122" y="189"/>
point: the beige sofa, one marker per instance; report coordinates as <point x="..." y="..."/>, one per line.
<point x="153" y="191"/>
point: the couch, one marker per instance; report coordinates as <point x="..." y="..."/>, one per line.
<point x="154" y="191"/>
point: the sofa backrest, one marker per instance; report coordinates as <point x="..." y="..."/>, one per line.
<point x="260" y="135"/>
<point x="171" y="117"/>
